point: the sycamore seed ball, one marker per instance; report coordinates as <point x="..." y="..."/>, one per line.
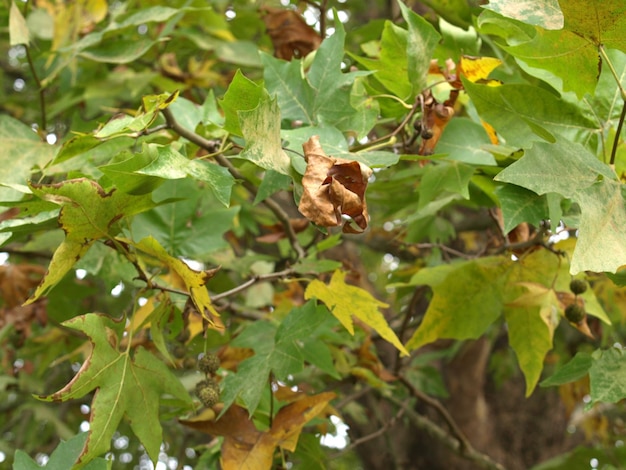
<point x="578" y="286"/>
<point x="574" y="313"/>
<point x="209" y="363"/>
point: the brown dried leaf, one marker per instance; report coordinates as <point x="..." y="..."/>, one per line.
<point x="290" y="34"/>
<point x="333" y="187"/>
<point x="436" y="117"/>
<point x="247" y="448"/>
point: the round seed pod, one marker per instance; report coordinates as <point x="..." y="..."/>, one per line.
<point x="578" y="286"/>
<point x="574" y="313"/>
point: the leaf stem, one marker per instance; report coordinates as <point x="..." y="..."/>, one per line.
<point x="270" y="203"/>
<point x="622" y="92"/>
<point x="618" y="132"/>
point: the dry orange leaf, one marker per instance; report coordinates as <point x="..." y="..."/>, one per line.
<point x="247" y="448"/>
<point x="333" y="188"/>
<point x="290" y="34"/>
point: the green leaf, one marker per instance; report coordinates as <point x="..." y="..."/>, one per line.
<point x="580" y="457"/>
<point x="344" y="300"/>
<point x="467" y="299"/>
<point x="272" y="182"/>
<point x="445" y="176"/>
<point x="600" y="22"/>
<point x="391" y="67"/>
<point x="242" y="95"/>
<point x="570" y="170"/>
<point x="19" y="140"/>
<point x="261" y="129"/>
<point x="560" y="52"/>
<point x="607" y="376"/>
<point x="574" y="370"/>
<point x="143" y="172"/>
<point x="462" y="140"/>
<point x="67" y="452"/>
<point x="521" y="205"/>
<point x="421" y="43"/>
<point x="126" y="386"/>
<point x="279" y="350"/>
<point x="87" y="214"/>
<point x="119" y="51"/>
<point x="523" y="114"/>
<point x="325" y="95"/>
<point x="190" y="223"/>
<point x="284" y="79"/>
<point x="544" y="13"/>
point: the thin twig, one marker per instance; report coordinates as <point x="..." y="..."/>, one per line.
<point x="425" y="424"/>
<point x="379" y="432"/>
<point x="396" y="131"/>
<point x="252" y="281"/>
<point x="454" y="428"/>
<point x="270" y="203"/>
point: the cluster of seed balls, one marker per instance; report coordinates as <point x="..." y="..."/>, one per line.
<point x="575" y="312"/>
<point x="208" y="390"/>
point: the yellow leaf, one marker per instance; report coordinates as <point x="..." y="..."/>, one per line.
<point x="344" y="301"/>
<point x="478" y="68"/>
<point x="195" y="281"/>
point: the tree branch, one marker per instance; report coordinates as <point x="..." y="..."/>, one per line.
<point x="270" y="203"/>
<point x="456" y="431"/>
<point x="469" y="453"/>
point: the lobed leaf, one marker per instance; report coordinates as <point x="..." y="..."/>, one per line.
<point x="344" y="301"/>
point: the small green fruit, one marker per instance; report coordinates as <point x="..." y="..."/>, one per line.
<point x="578" y="286"/>
<point x="209" y="363"/>
<point x="574" y="313"/>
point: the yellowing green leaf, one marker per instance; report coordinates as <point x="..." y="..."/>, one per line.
<point x="261" y="129"/>
<point x="344" y="300"/>
<point x="532" y="319"/>
<point x="465" y="302"/>
<point x="195" y="281"/>
<point x="126" y="386"/>
<point x="87" y="214"/>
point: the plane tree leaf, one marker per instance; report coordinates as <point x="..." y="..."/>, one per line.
<point x="127" y="385"/>
<point x="467" y="299"/>
<point x="324" y="95"/>
<point x="523" y="114"/>
<point x="607" y="374"/>
<point x="531" y="320"/>
<point x="278" y="350"/>
<point x="261" y="129"/>
<point x="570" y="170"/>
<point x="247" y="448"/>
<point x="19" y="139"/>
<point x="88" y="213"/>
<point x="344" y="301"/>
<point x="194" y="281"/>
<point x="544" y="13"/>
<point x="67" y="452"/>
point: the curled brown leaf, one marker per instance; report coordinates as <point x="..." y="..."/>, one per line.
<point x="333" y="188"/>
